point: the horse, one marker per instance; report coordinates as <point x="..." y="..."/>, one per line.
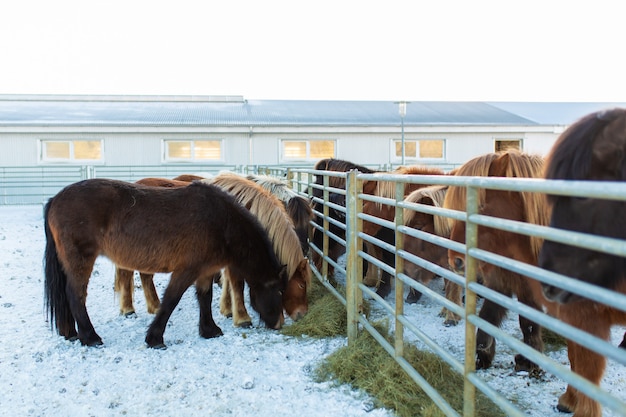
<point x="272" y="216"/>
<point x="298" y="207"/>
<point x="140" y="228"/>
<point x="188" y="178"/>
<point x="521" y="206"/>
<point x="593" y="148"/>
<point x="437" y="225"/>
<point x="335" y="249"/>
<point x="387" y="189"/>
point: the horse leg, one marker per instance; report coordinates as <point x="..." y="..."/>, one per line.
<point x="204" y="292"/>
<point x="226" y="307"/>
<point x="241" y="318"/>
<point x="453" y="293"/>
<point x="179" y="282"/>
<point x="532" y="337"/>
<point x="76" y="292"/>
<point x="373" y="275"/>
<point x="150" y="293"/>
<point x="124" y="286"/>
<point x="530" y="330"/>
<point x="589" y="365"/>
<point x="485" y="343"/>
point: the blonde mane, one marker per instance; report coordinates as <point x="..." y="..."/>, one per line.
<point x="387" y="189"/>
<point x="274" y="185"/>
<point x="520" y="165"/>
<point x="271" y="213"/>
<point x="437" y="194"/>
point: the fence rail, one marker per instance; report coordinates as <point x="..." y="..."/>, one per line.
<point x="356" y="290"/>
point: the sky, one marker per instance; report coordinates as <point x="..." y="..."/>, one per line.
<point x="480" y="50"/>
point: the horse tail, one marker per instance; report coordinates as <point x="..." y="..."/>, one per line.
<point x="57" y="304"/>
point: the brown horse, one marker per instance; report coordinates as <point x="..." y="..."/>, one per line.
<point x="520" y="206"/>
<point x="297" y="206"/>
<point x="591" y="149"/>
<point x="437" y="225"/>
<point x="387" y="189"/>
<point x="139" y="228"/>
<point x="272" y="215"/>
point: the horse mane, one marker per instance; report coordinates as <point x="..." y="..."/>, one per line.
<point x="475" y="167"/>
<point x="387" y="189"/>
<point x="341" y="165"/>
<point x="571" y="155"/>
<point x="270" y="212"/>
<point x="274" y="185"/>
<point x="437" y="194"/>
<point x="519" y="165"/>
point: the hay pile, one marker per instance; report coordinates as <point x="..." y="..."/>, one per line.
<point x="366" y="365"/>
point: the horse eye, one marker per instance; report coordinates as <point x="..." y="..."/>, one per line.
<point x="302" y="286"/>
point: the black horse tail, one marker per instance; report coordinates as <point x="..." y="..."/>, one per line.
<point x="56" y="302"/>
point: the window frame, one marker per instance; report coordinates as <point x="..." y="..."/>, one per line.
<point x="307" y="158"/>
<point x="497" y="140"/>
<point x="165" y="158"/>
<point x="43" y="159"/>
<point x="398" y="158"/>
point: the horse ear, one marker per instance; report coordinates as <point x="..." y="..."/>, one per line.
<point x="498" y="166"/>
<point x="609" y="147"/>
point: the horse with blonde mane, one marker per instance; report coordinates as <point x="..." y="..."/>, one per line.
<point x="298" y="207"/>
<point x="520" y="206"/>
<point x="271" y="214"/>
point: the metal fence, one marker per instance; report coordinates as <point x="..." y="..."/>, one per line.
<point x="355" y="289"/>
<point x="36" y="184"/>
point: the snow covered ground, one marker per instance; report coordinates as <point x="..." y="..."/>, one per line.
<point x="246" y="372"/>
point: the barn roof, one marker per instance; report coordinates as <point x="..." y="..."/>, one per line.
<point x="29" y="110"/>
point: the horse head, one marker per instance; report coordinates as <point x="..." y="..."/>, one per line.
<point x="594" y="148"/>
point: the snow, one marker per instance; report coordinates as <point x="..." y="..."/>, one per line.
<point x="247" y="371"/>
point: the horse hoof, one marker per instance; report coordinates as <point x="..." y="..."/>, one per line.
<point x="130" y="315"/>
<point x="523" y="364"/>
<point x="413" y="297"/>
<point x="159" y="346"/>
<point x="94" y="343"/>
<point x="212" y="333"/>
<point x="450" y="322"/>
<point x="244" y="324"/>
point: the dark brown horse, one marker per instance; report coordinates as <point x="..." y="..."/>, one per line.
<point x="140" y="228"/>
<point x="594" y="148"/>
<point x="273" y="217"/>
<point x="298" y="207"/>
<point x="335" y="248"/>
<point x="437" y="225"/>
<point x="521" y="206"/>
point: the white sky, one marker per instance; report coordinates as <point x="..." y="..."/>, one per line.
<point x="546" y="50"/>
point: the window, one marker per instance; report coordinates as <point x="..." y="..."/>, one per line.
<point x="71" y="151"/>
<point x="193" y="150"/>
<point x="307" y="149"/>
<point x="419" y="149"/>
<point x="506" y="144"/>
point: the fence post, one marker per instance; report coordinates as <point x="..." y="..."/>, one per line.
<point x="471" y="241"/>
<point x="399" y="267"/>
<point x="354" y="267"/>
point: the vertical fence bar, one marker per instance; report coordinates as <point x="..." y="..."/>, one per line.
<point x="354" y="268"/>
<point x="325" y="223"/>
<point x="399" y="267"/>
<point x="471" y="241"/>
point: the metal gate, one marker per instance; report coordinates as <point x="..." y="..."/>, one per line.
<point x="355" y="289"/>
